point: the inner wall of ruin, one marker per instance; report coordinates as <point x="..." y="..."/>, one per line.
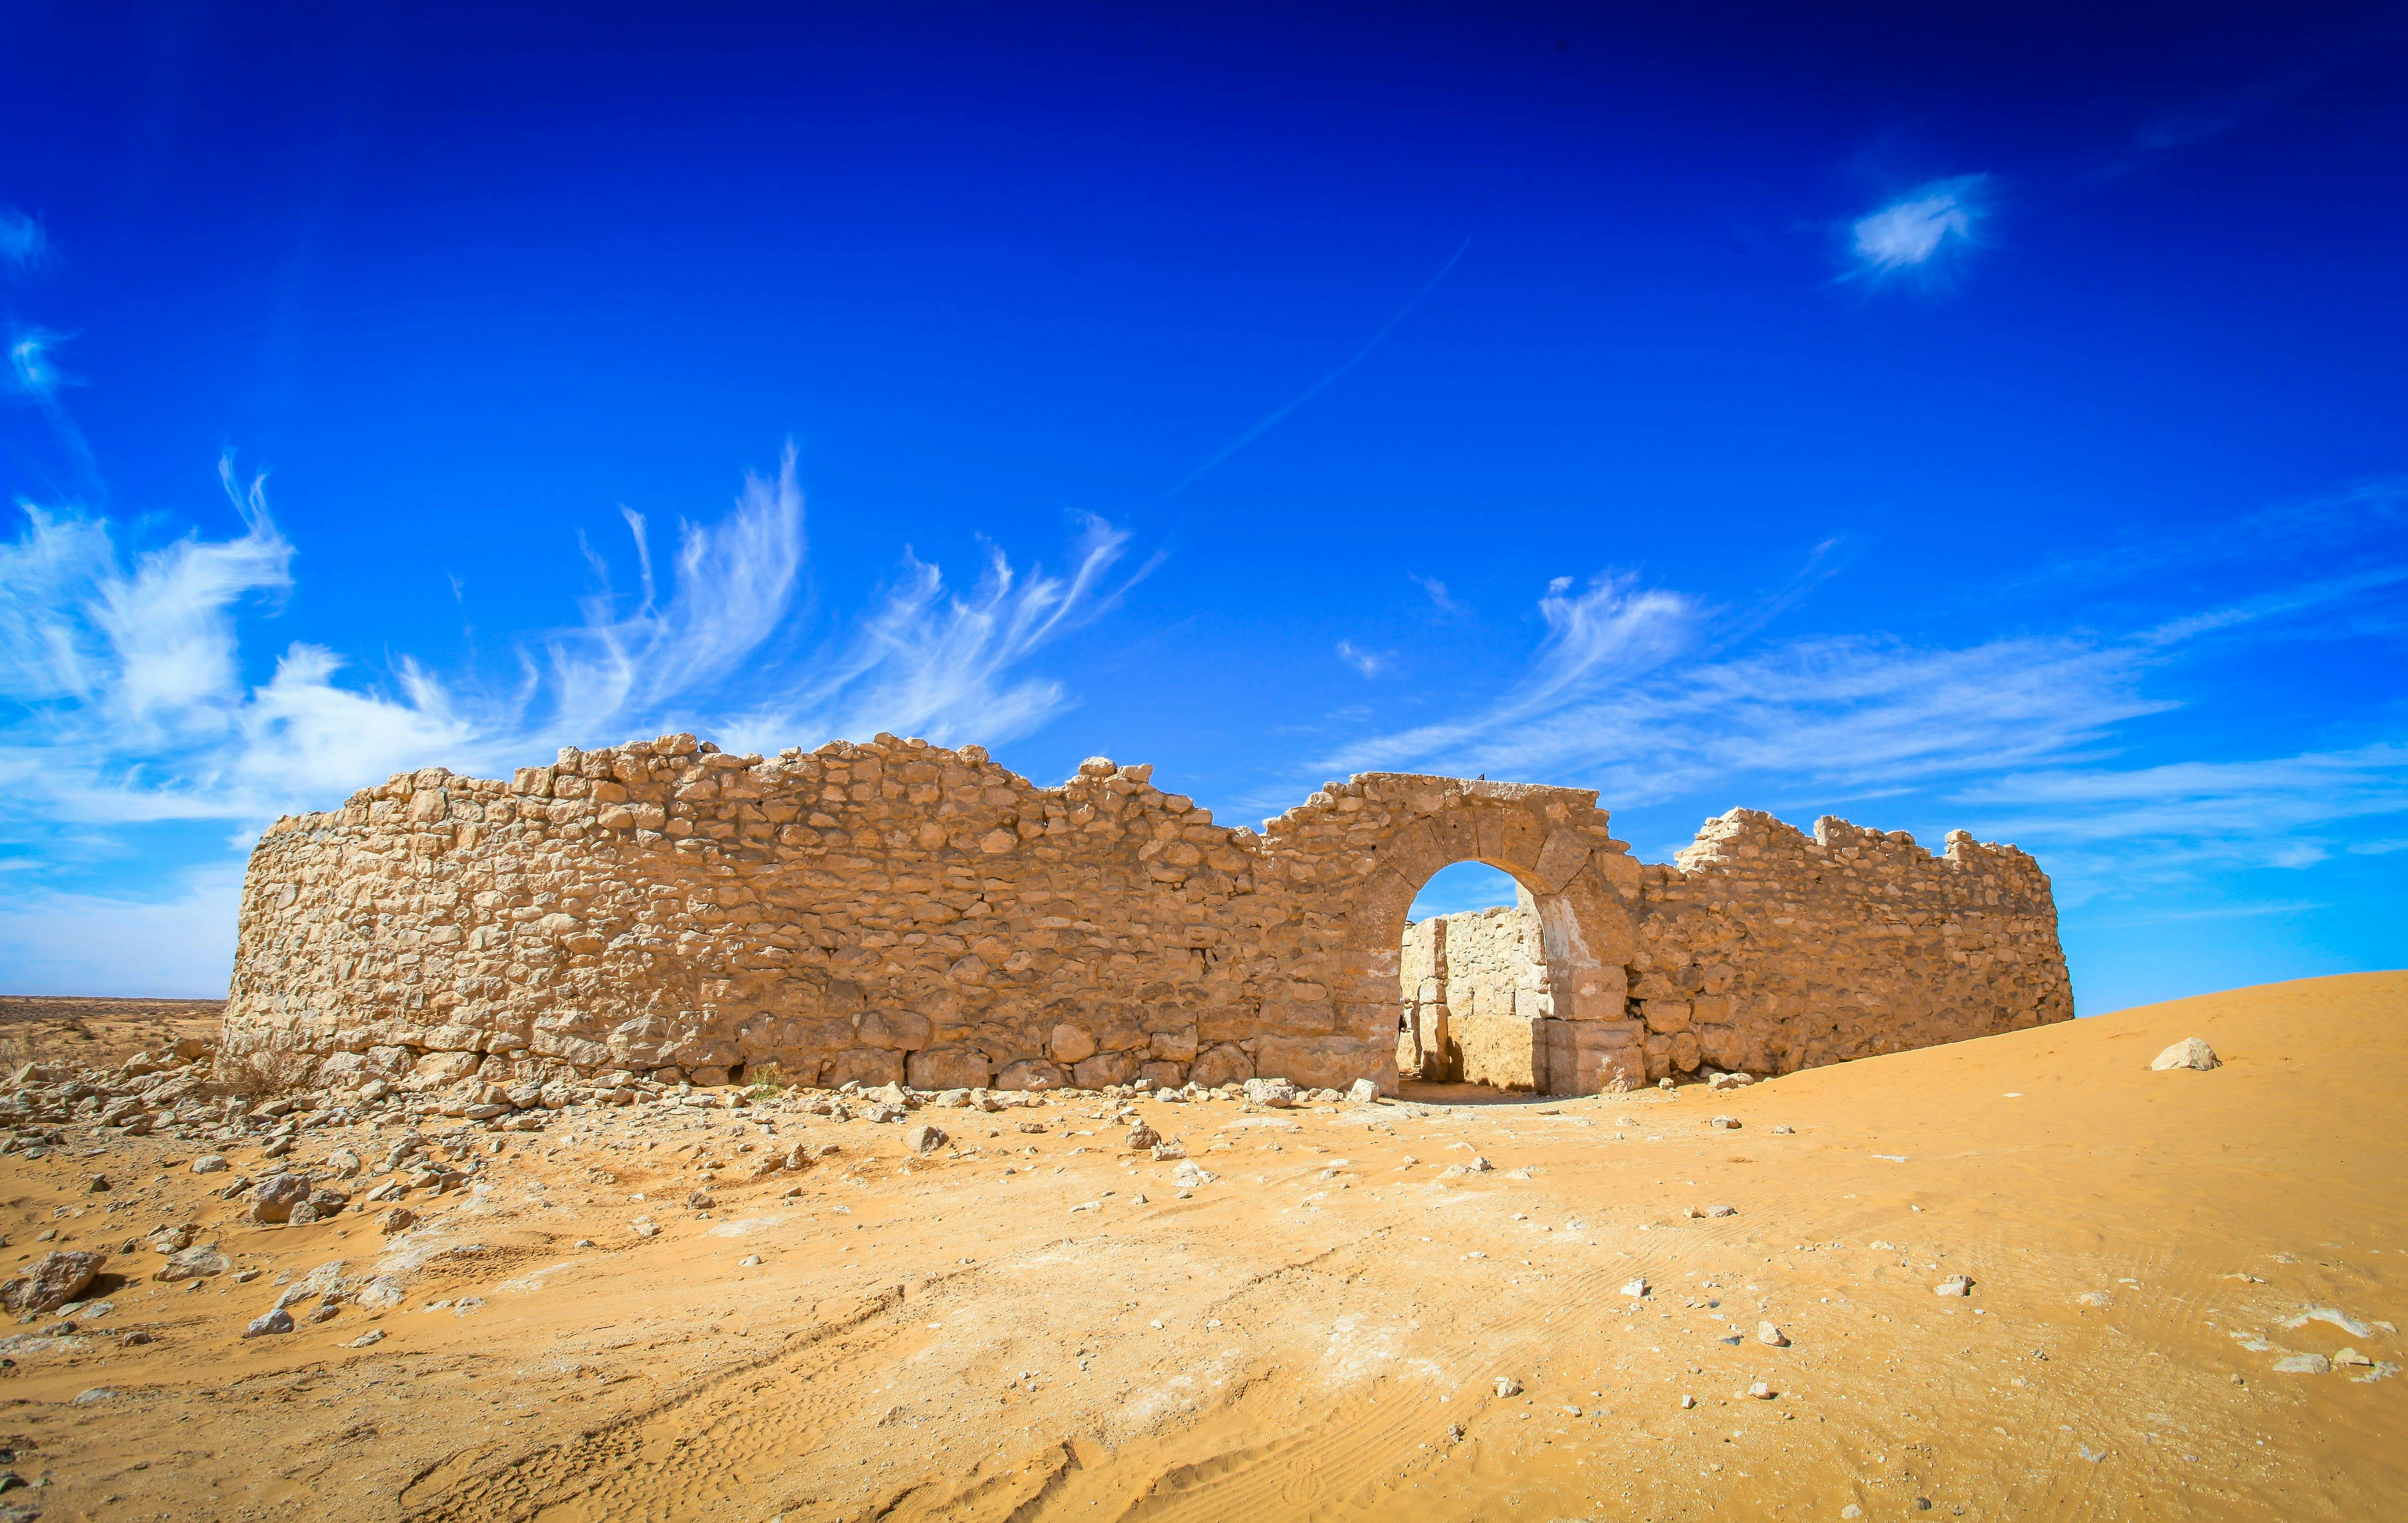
<point x="898" y="911"/>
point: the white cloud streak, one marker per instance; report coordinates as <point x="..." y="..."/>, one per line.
<point x="125" y="669"/>
<point x="22" y="242"/>
<point x="1919" y="226"/>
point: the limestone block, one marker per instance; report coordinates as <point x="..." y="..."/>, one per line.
<point x="904" y="1031"/>
<point x="948" y="1068"/>
<point x="1586" y="1058"/>
<point x="1666" y="1016"/>
<point x="441" y="1068"/>
<point x="1163" y="1075"/>
<point x="868" y="1066"/>
<point x="1685" y="1053"/>
<point x="1106" y="1068"/>
<point x="1071" y="1043"/>
<point x="1175" y="1046"/>
<point x="1224" y="1063"/>
<point x="1318" y="1062"/>
<point x="1498" y="1050"/>
<point x="1029" y="1074"/>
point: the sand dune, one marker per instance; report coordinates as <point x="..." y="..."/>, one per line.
<point x="1349" y="1321"/>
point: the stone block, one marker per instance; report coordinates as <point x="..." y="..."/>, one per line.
<point x="1163" y="1075"/>
<point x="1029" y="1074"/>
<point x="1665" y="1015"/>
<point x="1224" y="1063"/>
<point x="1319" y="1062"/>
<point x="868" y="1066"/>
<point x="1177" y="1047"/>
<point x="1106" y="1068"/>
<point x="903" y="1031"/>
<point x="1071" y="1043"/>
<point x="948" y="1068"/>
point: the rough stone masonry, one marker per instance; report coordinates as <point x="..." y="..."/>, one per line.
<point x="897" y="911"/>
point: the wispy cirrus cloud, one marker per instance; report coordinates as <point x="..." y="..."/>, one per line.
<point x="1927" y="224"/>
<point x="22" y="242"/>
<point x="124" y="669"/>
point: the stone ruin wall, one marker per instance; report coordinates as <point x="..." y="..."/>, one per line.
<point x="1764" y="950"/>
<point x="896" y="911"/>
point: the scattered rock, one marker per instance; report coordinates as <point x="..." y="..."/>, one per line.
<point x="1188" y="1176"/>
<point x="279" y="1320"/>
<point x="924" y="1139"/>
<point x="211" y="1163"/>
<point x="1725" y="1124"/>
<point x="1508" y="1385"/>
<point x="399" y="1219"/>
<point x="1687" y="1401"/>
<point x="273" y="1201"/>
<point x="1169" y="1149"/>
<point x="644" y="1227"/>
<point x="749" y="1261"/>
<point x="2303" y="1364"/>
<point x="2093" y="1298"/>
<point x="1363" y="1091"/>
<point x="1278" y="1094"/>
<point x="194" y="1263"/>
<point x="2190" y="1052"/>
<point x="1142" y="1138"/>
<point x="1784" y="1131"/>
<point x="1478" y="1165"/>
<point x="53" y="1280"/>
<point x="1730" y="1081"/>
<point x="1635" y="1288"/>
<point x="373" y="1335"/>
<point x="326" y="1312"/>
<point x="1761" y="1390"/>
<point x="1766" y="1332"/>
<point x="2351" y="1356"/>
<point x="700" y="1200"/>
<point x="1955" y="1285"/>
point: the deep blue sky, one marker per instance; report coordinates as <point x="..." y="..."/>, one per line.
<point x="1936" y="422"/>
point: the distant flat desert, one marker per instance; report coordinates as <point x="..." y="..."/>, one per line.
<point x="1351" y="1319"/>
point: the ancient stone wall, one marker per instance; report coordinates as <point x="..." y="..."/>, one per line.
<point x="898" y="911"/>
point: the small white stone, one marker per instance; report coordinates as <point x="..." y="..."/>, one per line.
<point x="2190" y="1052"/>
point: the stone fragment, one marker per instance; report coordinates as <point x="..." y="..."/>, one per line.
<point x="211" y="1163"/>
<point x="1508" y="1385"/>
<point x="1955" y="1285"/>
<point x="1277" y="1093"/>
<point x="924" y="1139"/>
<point x="399" y="1219"/>
<point x="1363" y="1091"/>
<point x="368" y="1339"/>
<point x="1140" y="1138"/>
<point x="1761" y="1390"/>
<point x="279" y="1320"/>
<point x="51" y="1281"/>
<point x="1729" y="1081"/>
<point x="194" y="1263"/>
<point x="1766" y="1332"/>
<point x="1635" y="1288"/>
<point x="277" y="1195"/>
<point x="2190" y="1052"/>
<point x="2303" y="1364"/>
<point x="1725" y="1124"/>
<point x="1189" y="1174"/>
<point x="700" y="1200"/>
<point x="644" y="1227"/>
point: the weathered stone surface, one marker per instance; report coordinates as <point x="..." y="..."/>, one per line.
<point x="873" y="912"/>
<point x="51" y="1281"/>
<point x="2190" y="1052"/>
<point x="194" y="1263"/>
<point x="274" y="1197"/>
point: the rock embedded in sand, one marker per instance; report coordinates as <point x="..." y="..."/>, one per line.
<point x="1766" y="1332"/>
<point x="211" y="1163"/>
<point x="1761" y="1390"/>
<point x="2303" y="1364"/>
<point x="1363" y="1091"/>
<point x="2190" y="1052"/>
<point x="644" y="1227"/>
<point x="924" y="1139"/>
<point x="273" y="1201"/>
<point x="1277" y="1093"/>
<point x="194" y="1263"/>
<point x="1508" y="1385"/>
<point x="1955" y="1285"/>
<point x="53" y="1280"/>
<point x="1635" y="1288"/>
<point x="279" y="1320"/>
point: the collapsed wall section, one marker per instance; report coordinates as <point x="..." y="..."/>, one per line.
<point x="1765" y="950"/>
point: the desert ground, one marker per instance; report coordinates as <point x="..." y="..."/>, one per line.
<point x="1448" y="1304"/>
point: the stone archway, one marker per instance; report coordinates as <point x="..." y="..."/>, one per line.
<point x="1554" y="842"/>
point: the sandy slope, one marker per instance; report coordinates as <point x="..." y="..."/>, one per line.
<point x="1299" y="1337"/>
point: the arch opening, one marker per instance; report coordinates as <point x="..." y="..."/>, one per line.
<point x="1480" y="964"/>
